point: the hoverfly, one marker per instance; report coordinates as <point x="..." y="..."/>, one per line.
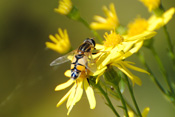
<point x="82" y="58"/>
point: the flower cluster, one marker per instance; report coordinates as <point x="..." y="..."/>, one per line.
<point x="113" y="51"/>
<point x="118" y="48"/>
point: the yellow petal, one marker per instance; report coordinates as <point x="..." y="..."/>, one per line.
<point x="136" y="47"/>
<point x="168" y="15"/>
<point x="112" y="8"/>
<point x="64" y="85"/>
<point x="99" y="46"/>
<point x="129" y="51"/>
<point x="151" y="4"/>
<point x="133" y="78"/>
<point x="67" y="73"/>
<point x="156" y="22"/>
<point x="99" y="19"/>
<point x="142" y="36"/>
<point x="59" y="38"/>
<point x="61" y="33"/>
<point x="53" y="39"/>
<point x="71" y="96"/>
<point x="79" y="91"/>
<point x="99" y="71"/>
<point x="90" y="94"/>
<point x="63" y="99"/>
<point x="102" y="60"/>
<point x="126" y="63"/>
<point x="53" y="47"/>
<point x="78" y="95"/>
<point x="145" y="112"/>
<point x="131" y="114"/>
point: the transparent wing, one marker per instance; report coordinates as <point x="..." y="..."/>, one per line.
<point x="91" y="64"/>
<point x="63" y="59"/>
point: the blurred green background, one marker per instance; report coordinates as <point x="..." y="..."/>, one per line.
<point x="27" y="81"/>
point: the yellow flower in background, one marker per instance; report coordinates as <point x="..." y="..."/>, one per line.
<point x="61" y="43"/>
<point x="108" y="23"/>
<point x="75" y="93"/>
<point x="140" y="25"/>
<point x="130" y="113"/>
<point x="157" y="22"/>
<point x="151" y="4"/>
<point x="64" y="7"/>
<point x="116" y="50"/>
<point x="144" y="112"/>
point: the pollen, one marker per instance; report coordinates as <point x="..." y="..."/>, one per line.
<point x="112" y="39"/>
<point x="137" y="27"/>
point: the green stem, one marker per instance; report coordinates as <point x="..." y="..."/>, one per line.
<point x="122" y="99"/>
<point x="93" y="31"/>
<point x="133" y="97"/>
<point x="153" y="77"/>
<point x="164" y="73"/>
<point x="171" y="48"/>
<point x="170" y="44"/>
<point x="107" y="99"/>
<point x="113" y="79"/>
<point x="130" y="107"/>
<point x="168" y="39"/>
<point x="113" y="94"/>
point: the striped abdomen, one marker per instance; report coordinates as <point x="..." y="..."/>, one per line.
<point x="78" y="65"/>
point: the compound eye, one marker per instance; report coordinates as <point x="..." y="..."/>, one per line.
<point x="93" y="42"/>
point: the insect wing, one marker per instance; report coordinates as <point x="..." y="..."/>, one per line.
<point x="63" y="59"/>
<point x="91" y="65"/>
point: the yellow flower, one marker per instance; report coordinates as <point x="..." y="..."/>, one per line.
<point x="64" y="7"/>
<point x="157" y="22"/>
<point x="75" y="93"/>
<point x="140" y="25"/>
<point x="108" y="23"/>
<point x="60" y="43"/>
<point x="151" y="4"/>
<point x="144" y="112"/>
<point x="119" y="49"/>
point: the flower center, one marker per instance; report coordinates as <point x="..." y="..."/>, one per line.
<point x="112" y="39"/>
<point x="138" y="26"/>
